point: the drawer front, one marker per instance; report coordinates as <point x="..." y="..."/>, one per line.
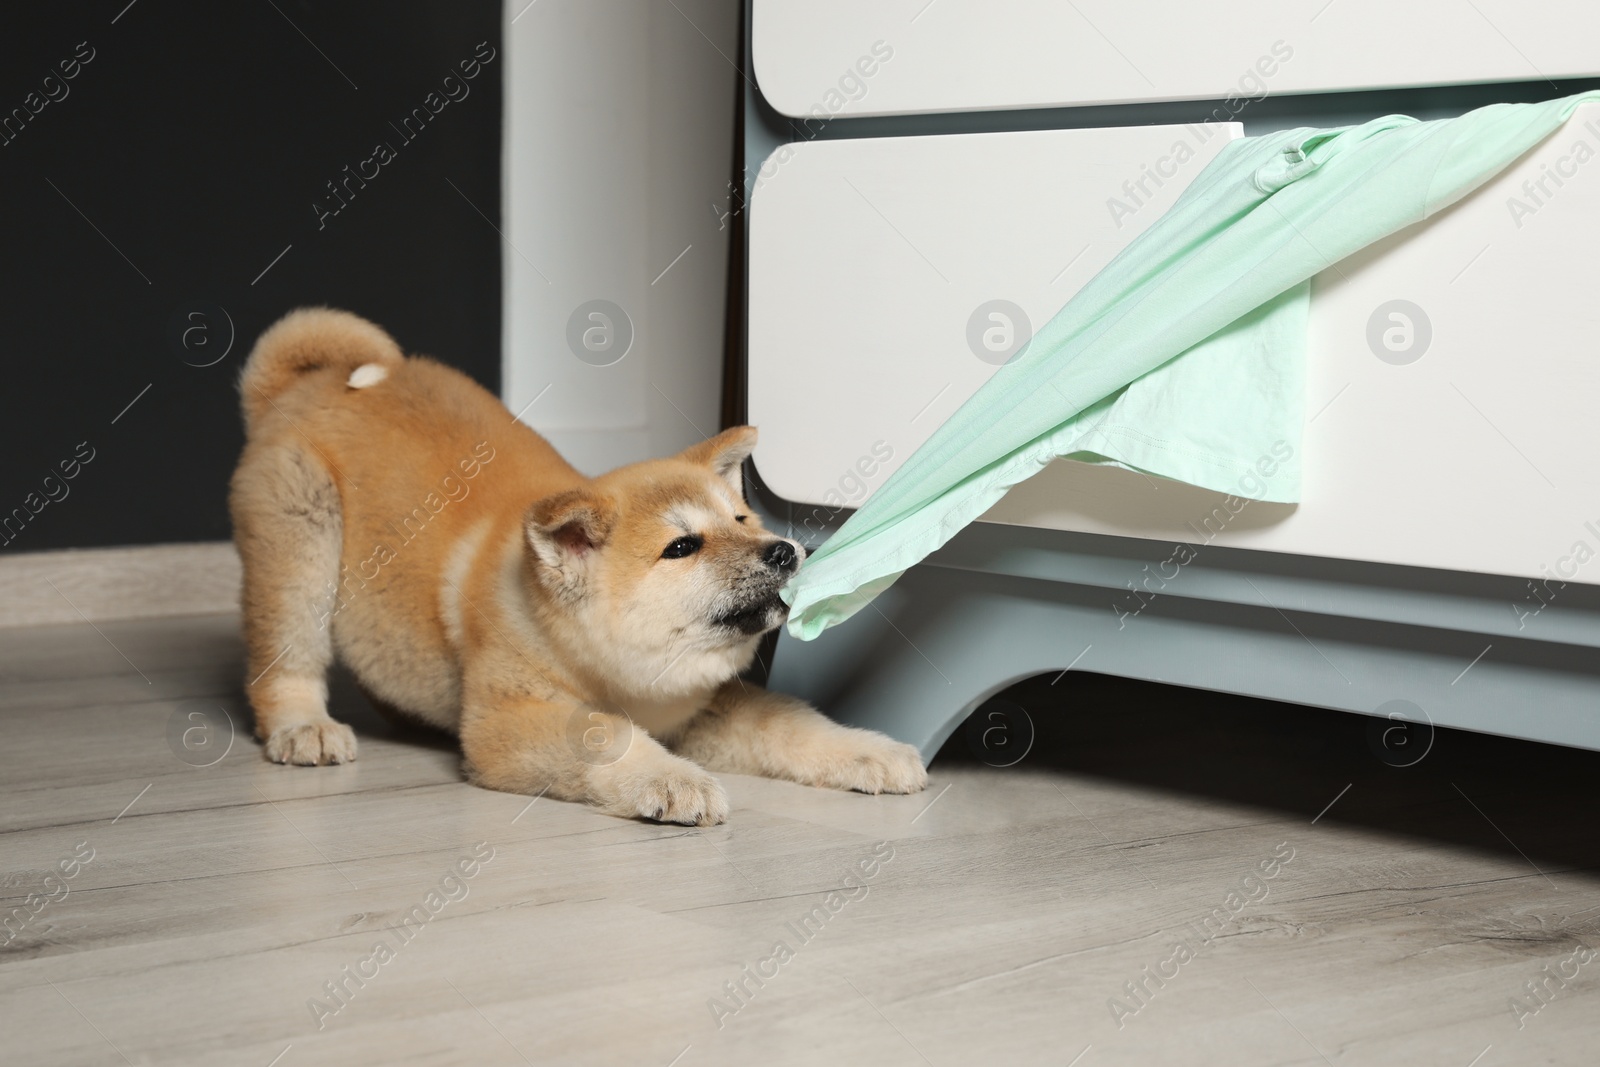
<point x="1452" y="381"/>
<point x="844" y="57"/>
<point x="869" y="259"/>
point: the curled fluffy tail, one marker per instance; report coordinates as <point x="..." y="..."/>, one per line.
<point x="307" y="340"/>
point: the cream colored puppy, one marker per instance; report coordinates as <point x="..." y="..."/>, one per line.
<point x="582" y="636"/>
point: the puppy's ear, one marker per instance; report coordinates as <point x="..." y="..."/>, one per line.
<point x="564" y="529"/>
<point x="725" y="454"/>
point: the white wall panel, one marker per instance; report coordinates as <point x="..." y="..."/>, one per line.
<point x="619" y="141"/>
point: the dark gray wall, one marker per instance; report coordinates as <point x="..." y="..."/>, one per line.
<point x="142" y="199"/>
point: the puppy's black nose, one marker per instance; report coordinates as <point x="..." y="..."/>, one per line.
<point x="780" y="556"/>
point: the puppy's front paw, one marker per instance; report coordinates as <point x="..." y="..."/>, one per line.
<point x="869" y="762"/>
<point x="686" y="795"/>
<point x="313" y="743"/>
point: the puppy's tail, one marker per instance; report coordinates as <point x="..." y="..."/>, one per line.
<point x="307" y="340"/>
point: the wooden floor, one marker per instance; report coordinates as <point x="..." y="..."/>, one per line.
<point x="1016" y="906"/>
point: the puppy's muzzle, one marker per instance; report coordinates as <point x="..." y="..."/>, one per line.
<point x="761" y="608"/>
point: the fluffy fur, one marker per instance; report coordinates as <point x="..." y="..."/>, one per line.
<point x="581" y="636"/>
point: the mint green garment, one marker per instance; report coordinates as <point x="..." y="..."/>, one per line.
<point x="1185" y="356"/>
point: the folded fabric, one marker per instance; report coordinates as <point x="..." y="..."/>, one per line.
<point x="1185" y="356"/>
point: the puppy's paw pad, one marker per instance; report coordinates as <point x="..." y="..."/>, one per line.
<point x="311" y="744"/>
<point x="691" y="798"/>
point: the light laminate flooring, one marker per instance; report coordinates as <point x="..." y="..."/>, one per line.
<point x="1012" y="917"/>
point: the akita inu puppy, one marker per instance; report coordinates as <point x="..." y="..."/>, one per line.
<point x="582" y="636"/>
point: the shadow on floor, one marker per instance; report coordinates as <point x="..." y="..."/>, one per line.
<point x="350" y="703"/>
<point x="1523" y="799"/>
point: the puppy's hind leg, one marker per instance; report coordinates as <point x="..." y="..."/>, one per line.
<point x="289" y="529"/>
<point x="749" y="730"/>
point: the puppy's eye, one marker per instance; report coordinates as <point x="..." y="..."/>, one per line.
<point x="740" y="518"/>
<point x="683" y="546"/>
